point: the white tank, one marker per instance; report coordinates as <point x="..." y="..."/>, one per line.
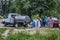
<point x="23" y="18"/>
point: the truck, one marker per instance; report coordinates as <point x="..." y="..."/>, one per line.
<point x="16" y="20"/>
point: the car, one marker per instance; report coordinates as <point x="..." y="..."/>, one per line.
<point x="55" y="22"/>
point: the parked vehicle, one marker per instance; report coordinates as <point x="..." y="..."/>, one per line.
<point x="55" y="22"/>
<point x="16" y="20"/>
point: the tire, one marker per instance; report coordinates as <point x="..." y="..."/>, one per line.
<point x="25" y="25"/>
<point x="3" y="22"/>
<point x="5" y="25"/>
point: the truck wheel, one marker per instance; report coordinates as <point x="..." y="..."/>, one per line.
<point x="5" y="25"/>
<point x="25" y="25"/>
<point x="3" y="22"/>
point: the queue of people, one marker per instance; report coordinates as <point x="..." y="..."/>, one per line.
<point x="48" y="22"/>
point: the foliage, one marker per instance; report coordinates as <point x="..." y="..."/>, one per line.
<point x="1" y="17"/>
<point x="1" y="31"/>
<point x="33" y="7"/>
<point x="50" y="35"/>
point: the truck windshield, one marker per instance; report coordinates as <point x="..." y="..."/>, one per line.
<point x="14" y="15"/>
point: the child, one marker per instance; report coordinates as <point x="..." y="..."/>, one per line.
<point x="32" y="24"/>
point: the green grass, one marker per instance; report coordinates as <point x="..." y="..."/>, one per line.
<point x="49" y="35"/>
<point x="2" y="31"/>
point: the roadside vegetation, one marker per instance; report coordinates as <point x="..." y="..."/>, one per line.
<point x="47" y="35"/>
<point x="33" y="8"/>
<point x="41" y="34"/>
<point x="2" y="30"/>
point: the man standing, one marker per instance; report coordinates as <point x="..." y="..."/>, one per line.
<point x="45" y="21"/>
<point x="39" y="22"/>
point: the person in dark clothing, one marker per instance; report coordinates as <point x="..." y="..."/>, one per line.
<point x="46" y="21"/>
<point x="14" y="21"/>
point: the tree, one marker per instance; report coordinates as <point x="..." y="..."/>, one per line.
<point x="33" y="7"/>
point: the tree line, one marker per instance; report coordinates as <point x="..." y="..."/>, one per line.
<point x="34" y="7"/>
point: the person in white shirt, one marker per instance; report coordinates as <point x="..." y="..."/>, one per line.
<point x="39" y="22"/>
<point x="35" y="20"/>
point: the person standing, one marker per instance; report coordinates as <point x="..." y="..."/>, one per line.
<point x="39" y="22"/>
<point x="45" y="21"/>
<point x="32" y="23"/>
<point x="36" y="24"/>
<point x="50" y="22"/>
<point x="14" y="22"/>
<point x="59" y="21"/>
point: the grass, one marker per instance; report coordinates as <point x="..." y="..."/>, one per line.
<point x="2" y="31"/>
<point x="49" y="35"/>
